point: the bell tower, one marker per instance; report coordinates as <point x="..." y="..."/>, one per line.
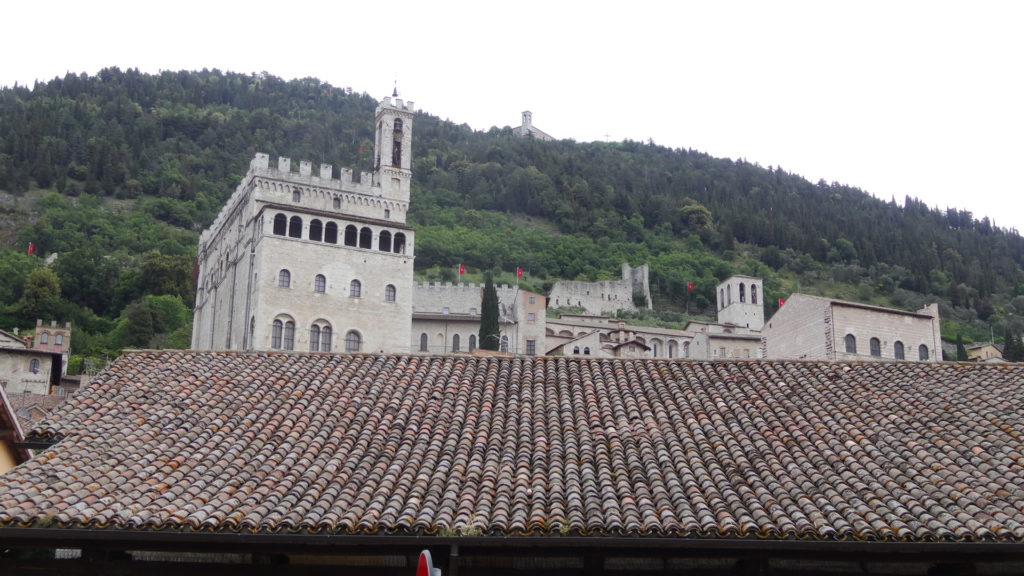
<point x="392" y="169"/>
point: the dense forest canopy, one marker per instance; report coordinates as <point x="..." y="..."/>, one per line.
<point x="117" y="172"/>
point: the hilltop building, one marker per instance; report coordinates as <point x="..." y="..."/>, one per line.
<point x="528" y="130"/>
<point x="603" y="337"/>
<point x="36" y="363"/>
<point x="304" y="261"/>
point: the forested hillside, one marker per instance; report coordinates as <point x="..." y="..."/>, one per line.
<point x="117" y="173"/>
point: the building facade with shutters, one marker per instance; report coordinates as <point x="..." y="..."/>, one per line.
<point x="298" y="260"/>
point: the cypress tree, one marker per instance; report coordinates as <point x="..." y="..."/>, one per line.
<point x="961" y="351"/>
<point x="490" y="331"/>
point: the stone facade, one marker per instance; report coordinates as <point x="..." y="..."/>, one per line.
<point x="605" y="297"/>
<point x="446" y="318"/>
<point x="304" y="261"/>
<point x="815" y="328"/>
<point x="741" y="302"/>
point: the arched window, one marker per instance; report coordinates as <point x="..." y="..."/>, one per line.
<point x="280" y="225"/>
<point x="753" y="293"/>
<point x="33" y="365"/>
<point x="314" y="338"/>
<point x="672" y="350"/>
<point x="876" y="346"/>
<point x="351" y="235"/>
<point x="389" y="293"/>
<point x="289" y="335"/>
<point x="325" y="339"/>
<point x="353" y="341"/>
<point x="295" y="227"/>
<point x="728" y="294"/>
<point x="851" y="344"/>
<point x="424" y="341"/>
<point x="284" y="279"/>
<point x="743" y="292"/>
<point x="455" y="343"/>
<point x="504" y="343"/>
<point x="472" y="342"/>
<point x="686" y="349"/>
<point x="316" y="230"/>
<point x="586" y="350"/>
<point x="398" y="246"/>
<point x="897" y="350"/>
<point x="275" y="334"/>
<point x="575" y="349"/>
<point x="355" y="289"/>
<point x="398" y="124"/>
<point x="366" y="238"/>
<point x="336" y="203"/>
<point x="331" y="233"/>
<point x="654" y="350"/>
<point x="59" y="340"/>
<point x="922" y="352"/>
<point x="320" y="284"/>
<point x="384" y="242"/>
<point x="44" y="338"/>
<point x="721" y="298"/>
<point x="296" y="195"/>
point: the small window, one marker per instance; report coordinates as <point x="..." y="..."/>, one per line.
<point x="289" y="335"/>
<point x="276" y="334"/>
<point x="898" y="352"/>
<point x="424" y="342"/>
<point x="44" y="338"/>
<point x="33" y="365"/>
<point x="398" y="124"/>
<point x="472" y="311"/>
<point x="743" y="292"/>
<point x="504" y="343"/>
<point x="531" y="347"/>
<point x="575" y="349"/>
<point x="671" y="349"/>
<point x="59" y="339"/>
<point x="389" y="293"/>
<point x="876" y="347"/>
<point x="280" y="225"/>
<point x="320" y="284"/>
<point x="325" y="339"/>
<point x="398" y="244"/>
<point x="351" y="235"/>
<point x="353" y="341"/>
<point x="851" y="344"/>
<point x="533" y="299"/>
<point x="455" y="343"/>
<point x="472" y="342"/>
<point x="316" y="230"/>
<point x="654" y="350"/>
<point x="295" y="227"/>
<point x="296" y="195"/>
<point x="922" y="352"/>
<point x="384" y="241"/>
<point x="531" y="317"/>
<point x="331" y="233"/>
<point x="284" y="279"/>
<point x="355" y="289"/>
<point x="366" y="238"/>
<point x="686" y="349"/>
<point x="336" y="203"/>
<point x="753" y="293"/>
<point x="728" y="294"/>
<point x="387" y="213"/>
<point x="586" y="350"/>
<point x="314" y="338"/>
<point x="445" y="310"/>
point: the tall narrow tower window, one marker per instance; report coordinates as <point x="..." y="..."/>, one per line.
<point x="753" y="293"/>
<point x="280" y="225"/>
<point x="396" y="154"/>
<point x="743" y="292"/>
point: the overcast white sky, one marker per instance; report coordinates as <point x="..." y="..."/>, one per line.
<point x="919" y="98"/>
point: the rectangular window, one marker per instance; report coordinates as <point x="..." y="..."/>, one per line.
<point x="531" y="347"/>
<point x="531" y="317"/>
<point x="533" y="299"/>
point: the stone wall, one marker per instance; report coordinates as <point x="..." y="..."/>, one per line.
<point x="604" y="297"/>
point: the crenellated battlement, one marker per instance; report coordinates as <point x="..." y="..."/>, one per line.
<point x="260" y="166"/>
<point x="398" y="105"/>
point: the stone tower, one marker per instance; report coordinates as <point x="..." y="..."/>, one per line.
<point x="309" y="262"/>
<point x="741" y="302"/>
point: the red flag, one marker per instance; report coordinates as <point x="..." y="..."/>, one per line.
<point x="462" y="269"/>
<point x="689" y="286"/>
<point x="781" y="302"/>
<point x="31" y="248"/>
<point x="519" y="272"/>
<point x="360" y="149"/>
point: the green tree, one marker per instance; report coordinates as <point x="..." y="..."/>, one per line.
<point x="490" y="330"/>
<point x="961" y="351"/>
<point x="42" y="294"/>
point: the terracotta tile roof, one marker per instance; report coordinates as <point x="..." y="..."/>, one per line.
<point x="32" y="408"/>
<point x="314" y="443"/>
